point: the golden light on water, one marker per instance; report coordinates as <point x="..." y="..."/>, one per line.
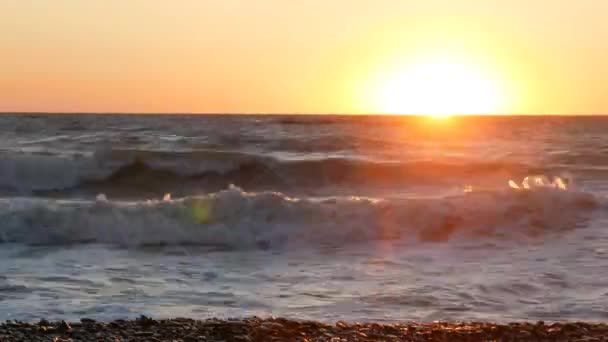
<point x="438" y="88"/>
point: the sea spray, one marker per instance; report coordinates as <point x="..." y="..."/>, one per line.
<point x="240" y="219"/>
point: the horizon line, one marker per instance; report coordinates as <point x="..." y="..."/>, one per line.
<point x="275" y="113"/>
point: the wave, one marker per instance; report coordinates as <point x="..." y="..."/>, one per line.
<point x="191" y="172"/>
<point x="237" y="219"/>
<point x="313" y="120"/>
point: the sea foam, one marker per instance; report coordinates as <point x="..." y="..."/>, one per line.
<point x="238" y="219"/>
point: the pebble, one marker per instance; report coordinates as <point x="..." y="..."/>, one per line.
<point x="64" y="326"/>
<point x="255" y="329"/>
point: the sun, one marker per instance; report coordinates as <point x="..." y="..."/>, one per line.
<point x="439" y="89"/>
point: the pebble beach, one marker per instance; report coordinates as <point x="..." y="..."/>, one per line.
<point x="280" y="329"/>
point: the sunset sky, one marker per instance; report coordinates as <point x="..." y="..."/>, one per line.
<point x="313" y="56"/>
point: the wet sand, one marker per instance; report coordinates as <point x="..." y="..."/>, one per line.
<point x="279" y="329"/>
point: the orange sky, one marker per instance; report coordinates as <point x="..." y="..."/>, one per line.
<point x="278" y="56"/>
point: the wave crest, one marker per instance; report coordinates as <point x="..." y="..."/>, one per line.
<point x="190" y="172"/>
<point x="239" y="219"/>
<point x="564" y="182"/>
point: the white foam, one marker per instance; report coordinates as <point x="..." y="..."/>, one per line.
<point x="542" y="181"/>
<point x="101" y="198"/>
<point x="240" y="219"/>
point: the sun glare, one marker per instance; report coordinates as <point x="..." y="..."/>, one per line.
<point x="438" y="89"/>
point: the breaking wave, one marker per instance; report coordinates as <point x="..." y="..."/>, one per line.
<point x="238" y="219"/>
<point x="210" y="170"/>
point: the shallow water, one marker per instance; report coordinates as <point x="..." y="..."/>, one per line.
<point x="328" y="218"/>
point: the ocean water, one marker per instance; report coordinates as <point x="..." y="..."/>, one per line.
<point x="309" y="217"/>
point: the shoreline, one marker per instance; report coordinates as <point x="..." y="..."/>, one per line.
<point x="281" y="329"/>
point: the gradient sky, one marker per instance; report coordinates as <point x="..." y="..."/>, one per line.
<point x="313" y="56"/>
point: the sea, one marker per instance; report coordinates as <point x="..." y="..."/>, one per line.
<point x="319" y="217"/>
